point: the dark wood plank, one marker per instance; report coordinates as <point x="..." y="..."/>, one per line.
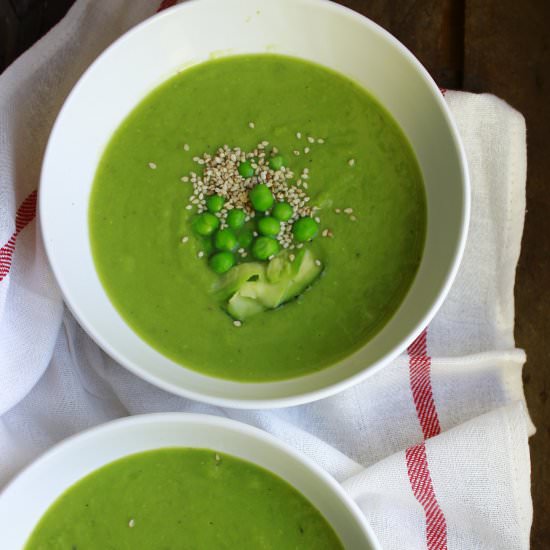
<point x="431" y="29"/>
<point x="23" y="22"/>
<point x="498" y="46"/>
<point x="507" y="52"/>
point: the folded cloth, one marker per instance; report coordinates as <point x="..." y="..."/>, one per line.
<point x="433" y="447"/>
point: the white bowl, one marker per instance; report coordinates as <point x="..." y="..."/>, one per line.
<point x="27" y="498"/>
<point x="157" y="49"/>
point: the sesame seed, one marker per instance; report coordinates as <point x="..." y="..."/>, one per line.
<point x="292" y="257"/>
<point x="318" y="263"/>
<point x="131" y="523"/>
<point x="325" y="233"/>
<point x="299" y="135"/>
<point x="353" y="218"/>
<point x="337" y="210"/>
<point x="184" y="239"/>
<point x="186" y="147"/>
<point x="218" y="458"/>
<point x="318" y="219"/>
<point x="251" y="125"/>
<point x="310" y="139"/>
<point x="321" y="140"/>
<point x="237" y="323"/>
<point x="152" y="165"/>
<point x="296" y="152"/>
<point x="189" y="207"/>
<point x="348" y="210"/>
<point x="200" y="254"/>
<point x="351" y="162"/>
<point x="185" y="179"/>
<point x="306" y="150"/>
<point x="221" y="177"/>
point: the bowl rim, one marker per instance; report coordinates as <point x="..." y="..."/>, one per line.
<point x="343" y="383"/>
<point x="204" y="421"/>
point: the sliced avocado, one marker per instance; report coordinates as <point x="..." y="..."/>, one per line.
<point x="230" y="282"/>
<point x="241" y="308"/>
<point x="308" y="271"/>
<point x="255" y="288"/>
<point x="280" y="268"/>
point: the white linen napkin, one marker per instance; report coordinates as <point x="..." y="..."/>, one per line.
<point x="433" y="448"/>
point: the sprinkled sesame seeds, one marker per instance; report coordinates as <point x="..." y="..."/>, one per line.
<point x="237" y="323"/>
<point x="131" y="523"/>
<point x="311" y="139"/>
<point x="348" y="210"/>
<point x="219" y="175"/>
<point x="186" y="147"/>
<point x="292" y="257"/>
<point x="318" y="263"/>
<point x="296" y="152"/>
<point x="152" y="165"/>
<point x="321" y="141"/>
<point x="184" y="239"/>
<point x="185" y="179"/>
<point x="351" y="162"/>
<point x="299" y="135"/>
<point x="337" y="210"/>
<point x="200" y="254"/>
<point x="251" y="125"/>
<point x="306" y="150"/>
<point x="324" y="233"/>
<point x="353" y="218"/>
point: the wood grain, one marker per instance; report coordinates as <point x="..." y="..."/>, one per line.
<point x="507" y="52"/>
<point x="497" y="46"/>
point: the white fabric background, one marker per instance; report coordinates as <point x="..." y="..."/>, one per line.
<point x="54" y="381"/>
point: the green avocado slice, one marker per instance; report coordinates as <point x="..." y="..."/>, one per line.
<point x="253" y="287"/>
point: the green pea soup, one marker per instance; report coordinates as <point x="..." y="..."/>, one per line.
<point x="363" y="178"/>
<point x="182" y="498"/>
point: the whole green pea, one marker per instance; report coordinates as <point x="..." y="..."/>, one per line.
<point x="236" y="218"/>
<point x="206" y="245"/>
<point x="305" y="229"/>
<point x="282" y="211"/>
<point x="245" y="169"/>
<point x="221" y="262"/>
<point x="225" y="239"/>
<point x="205" y="224"/>
<point x="214" y="203"/>
<point x="245" y="238"/>
<point x="261" y="197"/>
<point x="269" y="226"/>
<point x="264" y="247"/>
<point x="276" y="162"/>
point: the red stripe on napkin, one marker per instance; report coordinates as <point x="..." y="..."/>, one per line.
<point x="421" y="386"/>
<point x="25" y="214"/>
<point x="421" y="484"/>
<point x="167" y="4"/>
<point x="417" y="462"/>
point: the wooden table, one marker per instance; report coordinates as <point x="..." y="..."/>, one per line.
<point x="497" y="46"/>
